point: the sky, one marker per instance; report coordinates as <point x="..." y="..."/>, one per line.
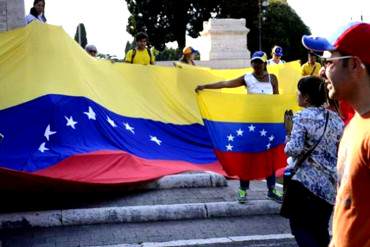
<point x="106" y="23"/>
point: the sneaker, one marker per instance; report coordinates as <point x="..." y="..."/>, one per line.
<point x="242" y="196"/>
<point x="275" y="195"/>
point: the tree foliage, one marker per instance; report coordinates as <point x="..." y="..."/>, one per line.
<point x="81" y="37"/>
<point x="169" y="54"/>
<point x="170" y="20"/>
<point x="282" y="27"/>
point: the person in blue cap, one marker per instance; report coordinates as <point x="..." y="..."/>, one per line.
<point x="257" y="82"/>
<point x="188" y="55"/>
<point x="276" y="53"/>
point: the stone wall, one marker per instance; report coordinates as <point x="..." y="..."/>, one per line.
<point x="11" y="14"/>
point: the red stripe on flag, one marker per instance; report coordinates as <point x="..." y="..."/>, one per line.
<point x="109" y="167"/>
<point x="98" y="169"/>
<point x="249" y="166"/>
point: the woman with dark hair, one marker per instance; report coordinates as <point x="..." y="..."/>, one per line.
<point x="257" y="82"/>
<point x="37" y="12"/>
<point x="312" y="190"/>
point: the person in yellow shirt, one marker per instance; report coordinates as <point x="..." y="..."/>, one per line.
<point x="141" y="54"/>
<point x="311" y="67"/>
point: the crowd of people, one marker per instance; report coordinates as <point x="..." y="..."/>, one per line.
<point x="329" y="163"/>
<point x="323" y="176"/>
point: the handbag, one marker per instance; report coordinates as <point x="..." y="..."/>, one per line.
<point x="287" y="205"/>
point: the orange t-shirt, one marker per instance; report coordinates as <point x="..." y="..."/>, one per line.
<point x="351" y="221"/>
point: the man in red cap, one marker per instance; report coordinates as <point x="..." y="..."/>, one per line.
<point x="347" y="68"/>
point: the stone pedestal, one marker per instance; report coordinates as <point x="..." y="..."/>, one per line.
<point x="225" y="39"/>
<point x="11" y="14"/>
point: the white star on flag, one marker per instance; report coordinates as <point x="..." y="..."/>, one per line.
<point x="230" y="138"/>
<point x="271" y="138"/>
<point x="268" y="146"/>
<point x="229" y="147"/>
<point x="156" y="140"/>
<point x="42" y="147"/>
<point x="90" y="114"/>
<point x="48" y="132"/>
<point x="129" y="128"/>
<point x="70" y="122"/>
<point x="111" y="122"/>
<point x="251" y="128"/>
<point x="239" y="132"/>
<point x="263" y="132"/>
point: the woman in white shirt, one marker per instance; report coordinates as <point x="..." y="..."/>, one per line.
<point x="37" y="12"/>
<point x="276" y="53"/>
<point x="257" y="82"/>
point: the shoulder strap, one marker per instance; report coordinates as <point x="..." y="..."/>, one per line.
<point x="133" y="55"/>
<point x="313" y="70"/>
<point x="150" y="55"/>
<point x="308" y="153"/>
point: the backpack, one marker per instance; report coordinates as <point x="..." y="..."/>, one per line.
<point x="134" y="54"/>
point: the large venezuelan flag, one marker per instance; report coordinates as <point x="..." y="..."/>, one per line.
<point x="68" y="118"/>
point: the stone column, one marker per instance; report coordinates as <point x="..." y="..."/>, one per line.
<point x="226" y="42"/>
<point x="11" y="14"/>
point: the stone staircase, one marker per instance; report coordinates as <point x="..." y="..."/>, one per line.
<point x="195" y="209"/>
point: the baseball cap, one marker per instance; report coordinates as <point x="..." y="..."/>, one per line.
<point x="189" y="50"/>
<point x="351" y="39"/>
<point x="277" y="50"/>
<point x="259" y="55"/>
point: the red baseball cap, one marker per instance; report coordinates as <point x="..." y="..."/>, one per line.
<point x="352" y="39"/>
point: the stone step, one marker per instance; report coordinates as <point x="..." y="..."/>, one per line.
<point x="177" y="189"/>
<point x="129" y="214"/>
<point x="261" y="231"/>
<point x="148" y="205"/>
<point x="138" y="194"/>
<point x="171" y="196"/>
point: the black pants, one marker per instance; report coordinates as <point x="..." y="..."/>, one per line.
<point x="310" y="221"/>
<point x="271" y="180"/>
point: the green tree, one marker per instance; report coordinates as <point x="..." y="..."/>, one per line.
<point x="129" y="46"/>
<point x="169" y="20"/>
<point x="282" y="27"/>
<point x="81" y="36"/>
<point x="169" y="54"/>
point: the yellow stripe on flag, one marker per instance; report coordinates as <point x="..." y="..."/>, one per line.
<point x="229" y="107"/>
<point x="42" y="59"/>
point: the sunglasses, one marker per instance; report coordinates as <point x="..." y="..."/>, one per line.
<point x="328" y="61"/>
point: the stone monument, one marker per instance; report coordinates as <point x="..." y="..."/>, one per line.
<point x="224" y="44"/>
<point x="11" y="14"/>
<point x="226" y="38"/>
